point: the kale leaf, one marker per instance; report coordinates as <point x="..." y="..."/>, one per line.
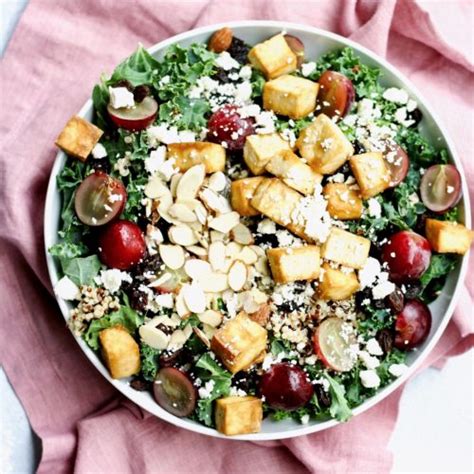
<point x="433" y="279"/>
<point x="81" y="270"/>
<point x="339" y="408"/>
<point x="149" y="362"/>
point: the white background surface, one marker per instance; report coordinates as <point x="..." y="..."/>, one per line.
<point x="434" y="432"/>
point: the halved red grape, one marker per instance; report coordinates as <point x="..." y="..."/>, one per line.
<point x="137" y="117"/>
<point x="174" y="392"/>
<point x="286" y="386"/>
<point x="99" y="199"/>
<point x="227" y="127"/>
<point x="333" y="342"/>
<point x="398" y="164"/>
<point x="297" y="46"/>
<point x="121" y="245"/>
<point x="408" y="256"/>
<point x="440" y="187"/>
<point x="336" y="94"/>
<point x="412" y="325"/>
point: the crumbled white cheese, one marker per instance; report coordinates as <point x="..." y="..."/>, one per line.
<point x="206" y="391"/>
<point x="237" y="392"/>
<point x="336" y="178"/>
<point x="370" y="272"/>
<point x="397" y="370"/>
<point x="266" y="226"/>
<point x="374" y="207"/>
<point x="399" y="96"/>
<point x="122" y="165"/>
<point x="66" y="289"/>
<point x="411" y="105"/>
<point x="243" y="91"/>
<point x="373" y="347"/>
<point x="112" y="279"/>
<point x="99" y="151"/>
<point x="383" y="289"/>
<point x="369" y="378"/>
<point x="121" y="97"/>
<point x="155" y="160"/>
<point x="165" y="300"/>
<point x="225" y="61"/>
<point x="265" y="122"/>
<point x="245" y="72"/>
<point x="308" y="68"/>
<point x="163" y="133"/>
<point x="369" y="361"/>
<point x="304" y="419"/>
<point x="368" y="110"/>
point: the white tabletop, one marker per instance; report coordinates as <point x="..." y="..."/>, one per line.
<point x="434" y="431"/>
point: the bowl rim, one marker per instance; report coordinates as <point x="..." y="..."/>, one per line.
<point x="185" y="423"/>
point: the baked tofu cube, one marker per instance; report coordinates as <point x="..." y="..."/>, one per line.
<point x="78" y="138"/>
<point x="343" y="202"/>
<point x="238" y="415"/>
<point x="187" y="155"/>
<point x="448" y="237"/>
<point x="337" y="285"/>
<point x="345" y="248"/>
<point x="323" y="145"/>
<point x="292" y="96"/>
<point x="371" y="172"/>
<point x="273" y="57"/>
<point x="294" y="264"/>
<point x="296" y="174"/>
<point x="120" y="351"/>
<point x="259" y="149"/>
<point x="239" y="343"/>
<point x="241" y="193"/>
<point x="278" y="202"/>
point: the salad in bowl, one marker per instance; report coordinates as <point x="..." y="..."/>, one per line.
<point x="250" y="233"/>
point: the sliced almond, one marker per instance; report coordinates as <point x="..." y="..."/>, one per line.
<point x="177" y="340"/>
<point x="225" y="222"/>
<point x="194" y="298"/>
<point x="182" y="212"/>
<point x="197" y="250"/>
<point x="217" y="251"/>
<point x="258" y="250"/>
<point x="181" y="307"/>
<point x="174" y="183"/>
<point x="190" y="182"/>
<point x="262" y="266"/>
<point x="217" y="236"/>
<point x="172" y="256"/>
<point x="228" y="263"/>
<point x="211" y="317"/>
<point x="165" y="320"/>
<point x="209" y="331"/>
<point x="160" y="281"/>
<point x="215" y="283"/>
<point x="164" y="202"/>
<point x="187" y="330"/>
<point x="237" y="275"/>
<point x="202" y="337"/>
<point x="247" y="255"/>
<point x="232" y="249"/>
<point x="241" y="234"/>
<point x="182" y="235"/>
<point x="217" y="181"/>
<point x="154" y="337"/>
<point x="155" y="188"/>
<point x="215" y="202"/>
<point x="201" y="213"/>
<point x="197" y="269"/>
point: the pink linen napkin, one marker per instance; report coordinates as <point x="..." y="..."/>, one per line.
<point x="56" y="55"/>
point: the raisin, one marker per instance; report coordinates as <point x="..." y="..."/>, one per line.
<point x="176" y="358"/>
<point x="413" y="289"/>
<point x="246" y="381"/>
<point x="102" y="164"/>
<point x="358" y="148"/>
<point x="221" y="75"/>
<point x="138" y="300"/>
<point x="140" y="93"/>
<point x="124" y="83"/>
<point x="140" y="385"/>
<point x="420" y="224"/>
<point x="266" y="239"/>
<point x="323" y="397"/>
<point x="239" y="50"/>
<point x="165" y="329"/>
<point x="416" y="115"/>
<point x="385" y="339"/>
<point x="395" y="300"/>
<point x="362" y="295"/>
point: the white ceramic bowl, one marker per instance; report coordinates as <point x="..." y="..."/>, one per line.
<point x="317" y="42"/>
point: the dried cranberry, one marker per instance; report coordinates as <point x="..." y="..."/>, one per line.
<point x="239" y="50"/>
<point x="385" y="339"/>
<point x="140" y="93"/>
<point x="140" y="385"/>
<point x="395" y="300"/>
<point x="138" y="300"/>
<point x="323" y="397"/>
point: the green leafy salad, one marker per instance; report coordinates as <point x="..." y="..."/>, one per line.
<point x="248" y="233"/>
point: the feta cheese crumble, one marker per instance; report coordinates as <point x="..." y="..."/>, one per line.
<point x="308" y="68"/>
<point x="66" y="289"/>
<point x="121" y="97"/>
<point x="99" y="151"/>
<point x="112" y="279"/>
<point x="369" y="378"/>
<point x="397" y="370"/>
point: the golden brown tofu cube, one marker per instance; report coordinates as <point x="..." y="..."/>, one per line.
<point x="294" y="264"/>
<point x="187" y="155"/>
<point x="239" y="343"/>
<point x="238" y="415"/>
<point x="296" y="174"/>
<point x="278" y="202"/>
<point x="292" y="96"/>
<point x="448" y="237"/>
<point x="241" y="193"/>
<point x="323" y="145"/>
<point x="371" y="172"/>
<point x="120" y="351"/>
<point x="337" y="285"/>
<point x="345" y="248"/>
<point x="78" y="138"/>
<point x="343" y="202"/>
<point x="273" y="57"/>
<point x="259" y="149"/>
